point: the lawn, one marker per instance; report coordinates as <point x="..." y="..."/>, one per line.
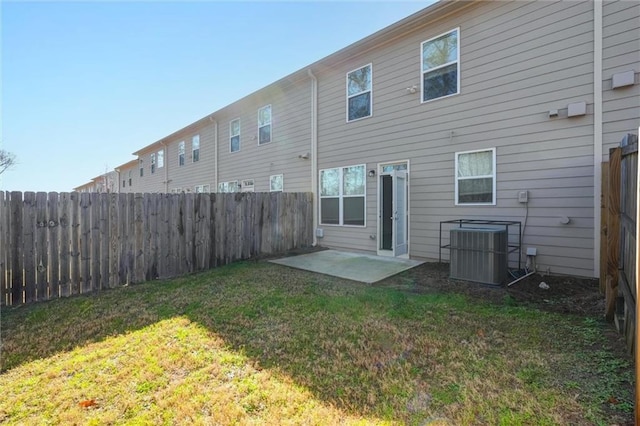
<point x="257" y="343"/>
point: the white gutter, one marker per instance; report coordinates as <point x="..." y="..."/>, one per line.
<point x="597" y="132"/>
<point x="314" y="151"/>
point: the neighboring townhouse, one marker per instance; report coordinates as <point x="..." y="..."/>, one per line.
<point x="467" y="109"/>
<point x="104" y="183"/>
<point x="128" y="177"/>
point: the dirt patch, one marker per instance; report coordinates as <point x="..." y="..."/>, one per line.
<point x="564" y="294"/>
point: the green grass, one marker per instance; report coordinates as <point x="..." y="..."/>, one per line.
<point x="256" y="343"/>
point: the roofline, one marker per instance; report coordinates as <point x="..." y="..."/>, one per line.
<point x="128" y="164"/>
<point x="438" y="10"/>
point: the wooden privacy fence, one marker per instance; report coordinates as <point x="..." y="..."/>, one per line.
<point x="60" y="244"/>
<point x="618" y="270"/>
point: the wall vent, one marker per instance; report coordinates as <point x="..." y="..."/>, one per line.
<point x="479" y="254"/>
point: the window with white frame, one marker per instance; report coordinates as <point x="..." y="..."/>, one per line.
<point x="153" y="163"/>
<point x="475" y="177"/>
<point x="176" y="190"/>
<point x="248" y="185"/>
<point x="231" y="186"/>
<point x="342" y="196"/>
<point x="161" y="158"/>
<point x="141" y="169"/>
<point x="130" y="177"/>
<point x="276" y="183"/>
<point x="264" y="125"/>
<point x="441" y="66"/>
<point x="202" y="188"/>
<point x="195" y="148"/>
<point x="234" y="135"/>
<point x="359" y="88"/>
<point x="181" y="148"/>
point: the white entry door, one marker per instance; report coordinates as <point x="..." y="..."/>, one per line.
<point x="393" y="213"/>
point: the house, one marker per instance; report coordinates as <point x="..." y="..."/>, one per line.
<point x="106" y="182"/>
<point x="466" y="109"/>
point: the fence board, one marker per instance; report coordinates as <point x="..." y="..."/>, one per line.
<point x="3" y="249"/>
<point x="104" y="230"/>
<point x="54" y="245"/>
<point x="17" y="263"/>
<point x="85" y="243"/>
<point x="74" y="220"/>
<point x="63" y="211"/>
<point x="28" y="240"/>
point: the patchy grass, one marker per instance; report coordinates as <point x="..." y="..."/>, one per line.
<point x="260" y="343"/>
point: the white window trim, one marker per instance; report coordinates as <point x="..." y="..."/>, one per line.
<point x="495" y="167"/>
<point x="271" y="178"/>
<point x="341" y="196"/>
<point x="457" y="61"/>
<point x="193" y="138"/>
<point x="160" y="159"/>
<point x="270" y="124"/>
<point x="245" y="187"/>
<point x="205" y="188"/>
<point x="153" y="162"/>
<point x="227" y="184"/>
<point x="370" y="65"/>
<point x="181" y="152"/>
<point x="231" y="135"/>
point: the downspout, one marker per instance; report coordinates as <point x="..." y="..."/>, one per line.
<point x="314" y="151"/>
<point x="215" y="154"/>
<point x="597" y="132"/>
<point x="165" y="159"/>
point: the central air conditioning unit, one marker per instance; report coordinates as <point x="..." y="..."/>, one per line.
<point x="479" y="254"/>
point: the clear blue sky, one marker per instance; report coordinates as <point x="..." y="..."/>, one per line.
<point x="85" y="84"/>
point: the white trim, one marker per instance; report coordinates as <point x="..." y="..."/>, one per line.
<point x="182" y="146"/>
<point x="341" y="196"/>
<point x="457" y="61"/>
<point x="264" y="125"/>
<point x="245" y="187"/>
<point x="271" y="181"/>
<point x="597" y="132"/>
<point x="231" y="135"/>
<point x="494" y="176"/>
<point x="193" y="138"/>
<point x="314" y="151"/>
<point x="379" y="251"/>
<point x="370" y="65"/>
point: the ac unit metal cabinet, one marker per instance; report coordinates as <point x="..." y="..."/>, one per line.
<point x="479" y="254"/>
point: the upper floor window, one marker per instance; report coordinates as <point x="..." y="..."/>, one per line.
<point x="161" y="159"/>
<point x="359" y="101"/>
<point x="202" y="188"/>
<point x="181" y="146"/>
<point x="248" y="185"/>
<point x="195" y="148"/>
<point x="141" y="170"/>
<point x="342" y="196"/>
<point x="231" y="186"/>
<point x="476" y="177"/>
<point x="130" y="178"/>
<point x="234" y="135"/>
<point x="441" y="66"/>
<point x="264" y="125"/>
<point x="153" y="163"/>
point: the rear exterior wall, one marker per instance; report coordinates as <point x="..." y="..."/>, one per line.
<point x="518" y="60"/>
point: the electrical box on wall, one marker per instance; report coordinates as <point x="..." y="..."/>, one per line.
<point x="523" y="196"/>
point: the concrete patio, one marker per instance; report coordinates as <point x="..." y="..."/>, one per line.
<point x="352" y="266"/>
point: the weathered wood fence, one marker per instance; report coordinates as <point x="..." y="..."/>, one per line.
<point x="618" y="270"/>
<point x="60" y="244"/>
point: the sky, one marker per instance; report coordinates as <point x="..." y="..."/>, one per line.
<point x="85" y="84"/>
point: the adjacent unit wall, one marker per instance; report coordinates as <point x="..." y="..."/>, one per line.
<point x="621" y="47"/>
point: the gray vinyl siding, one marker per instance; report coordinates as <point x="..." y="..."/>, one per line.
<point x="621" y="52"/>
<point x="290" y="138"/>
<point x="518" y="60"/>
<point x="201" y="172"/>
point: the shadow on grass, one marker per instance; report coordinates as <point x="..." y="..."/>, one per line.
<point x="367" y="350"/>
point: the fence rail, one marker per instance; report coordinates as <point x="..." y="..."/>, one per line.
<point x="59" y="244"/>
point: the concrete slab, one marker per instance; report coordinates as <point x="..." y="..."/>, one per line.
<point x="352" y="266"/>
